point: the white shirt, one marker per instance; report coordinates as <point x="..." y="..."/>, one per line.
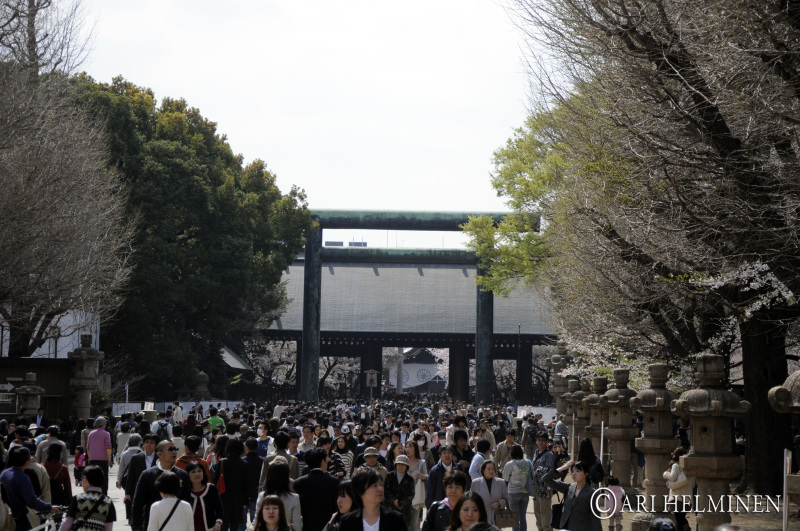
<point x="368" y="527"/>
<point x="181" y="520"/>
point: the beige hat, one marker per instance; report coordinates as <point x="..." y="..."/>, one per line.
<point x="401" y="460"/>
<point x="371" y="451"/>
<point x="33" y="427"/>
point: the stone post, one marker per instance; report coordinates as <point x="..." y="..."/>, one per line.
<point x="711" y="460"/>
<point x="201" y="391"/>
<point x="786" y="399"/>
<point x="573" y="386"/>
<point x="86" y="359"/>
<point x="598" y="413"/>
<point x="557" y="363"/>
<point x="620" y="432"/>
<point x="657" y="443"/>
<point x="28" y="394"/>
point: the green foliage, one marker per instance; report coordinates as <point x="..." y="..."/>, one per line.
<point x="213" y="242"/>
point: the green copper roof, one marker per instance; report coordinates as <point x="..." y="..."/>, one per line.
<point x="397" y="219"/>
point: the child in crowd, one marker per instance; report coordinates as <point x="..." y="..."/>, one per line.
<point x="615" y="508"/>
<point x="80" y="464"/>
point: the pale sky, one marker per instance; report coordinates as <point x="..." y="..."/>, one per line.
<point x="364" y="104"/>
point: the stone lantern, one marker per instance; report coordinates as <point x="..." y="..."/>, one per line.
<point x="582" y="417"/>
<point x="558" y="362"/>
<point x="786" y="399"/>
<point x="598" y="413"/>
<point x="621" y="431"/>
<point x="201" y="391"/>
<point x="711" y="460"/>
<point x="573" y="386"/>
<point x="86" y="359"/>
<point x="28" y="394"/>
<point x="657" y="442"/>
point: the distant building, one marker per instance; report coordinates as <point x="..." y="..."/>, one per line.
<point x="419" y="372"/>
<point x="63" y="335"/>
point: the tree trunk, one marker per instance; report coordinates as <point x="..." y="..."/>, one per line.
<point x="768" y="432"/>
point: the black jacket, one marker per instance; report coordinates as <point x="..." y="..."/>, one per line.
<point x="134" y="470"/>
<point x="437" y="518"/>
<point x="390" y="521"/>
<point x="318" y="493"/>
<point x="236" y="494"/>
<point x="254" y="464"/>
<point x="403" y="492"/>
<point x="577" y="513"/>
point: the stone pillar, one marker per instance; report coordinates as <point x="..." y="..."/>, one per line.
<point x="28" y="394"/>
<point x="312" y="294"/>
<point x="85" y="381"/>
<point x="786" y="399"/>
<point x="711" y="460"/>
<point x="582" y="411"/>
<point x="557" y="363"/>
<point x="598" y="415"/>
<point x="620" y="432"/>
<point x="484" y="340"/>
<point x="657" y="443"/>
<point x="525" y="376"/>
<point x="458" y="377"/>
<point x="573" y="386"/>
<point x="201" y="391"/>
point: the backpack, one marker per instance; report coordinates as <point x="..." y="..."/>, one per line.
<point x="162" y="432"/>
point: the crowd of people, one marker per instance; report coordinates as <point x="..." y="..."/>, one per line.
<point x="383" y="466"/>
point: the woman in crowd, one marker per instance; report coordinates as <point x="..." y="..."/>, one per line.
<point x="395" y="449"/>
<point x="278" y="485"/>
<point x="340" y="447"/>
<point x="216" y="451"/>
<point x="517" y="474"/>
<point x="344" y="502"/>
<point x="468" y="511"/>
<point x="679" y="485"/>
<point x="271" y="515"/>
<point x="206" y="503"/>
<point x="418" y="471"/>
<point x="421" y="440"/>
<point x="399" y="491"/>
<point x="491" y="489"/>
<point x="122" y="438"/>
<point x="577" y="513"/>
<point x="368" y="493"/>
<point x="235" y="471"/>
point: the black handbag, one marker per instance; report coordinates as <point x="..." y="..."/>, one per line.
<point x="555" y="515"/>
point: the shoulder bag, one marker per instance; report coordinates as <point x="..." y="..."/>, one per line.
<point x="555" y="516"/>
<point x="221" y="480"/>
<point x="177" y="502"/>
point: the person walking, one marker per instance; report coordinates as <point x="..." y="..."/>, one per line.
<point x="371" y="515"/>
<point x="679" y="485"/>
<point x="492" y="490"/>
<point x="206" y="503"/>
<point x="98" y="448"/>
<point x="543" y="461"/>
<point x="577" y="513"/>
<point x="19" y="489"/>
<point x="517" y="473"/>
<point x="91" y="509"/>
<point x="235" y="472"/>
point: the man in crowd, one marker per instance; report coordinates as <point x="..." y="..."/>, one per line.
<point x="503" y="453"/>
<point x="139" y="463"/>
<point x="190" y="455"/>
<point x="281" y="444"/>
<point x="434" y="485"/>
<point x="52" y="438"/>
<point x="254" y="463"/>
<point x="484" y="447"/>
<point x="317" y="490"/>
<point x="438" y="517"/>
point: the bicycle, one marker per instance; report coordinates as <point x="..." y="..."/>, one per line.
<point x="53" y="520"/>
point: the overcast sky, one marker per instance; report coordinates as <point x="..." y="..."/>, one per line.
<point x="364" y="104"/>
